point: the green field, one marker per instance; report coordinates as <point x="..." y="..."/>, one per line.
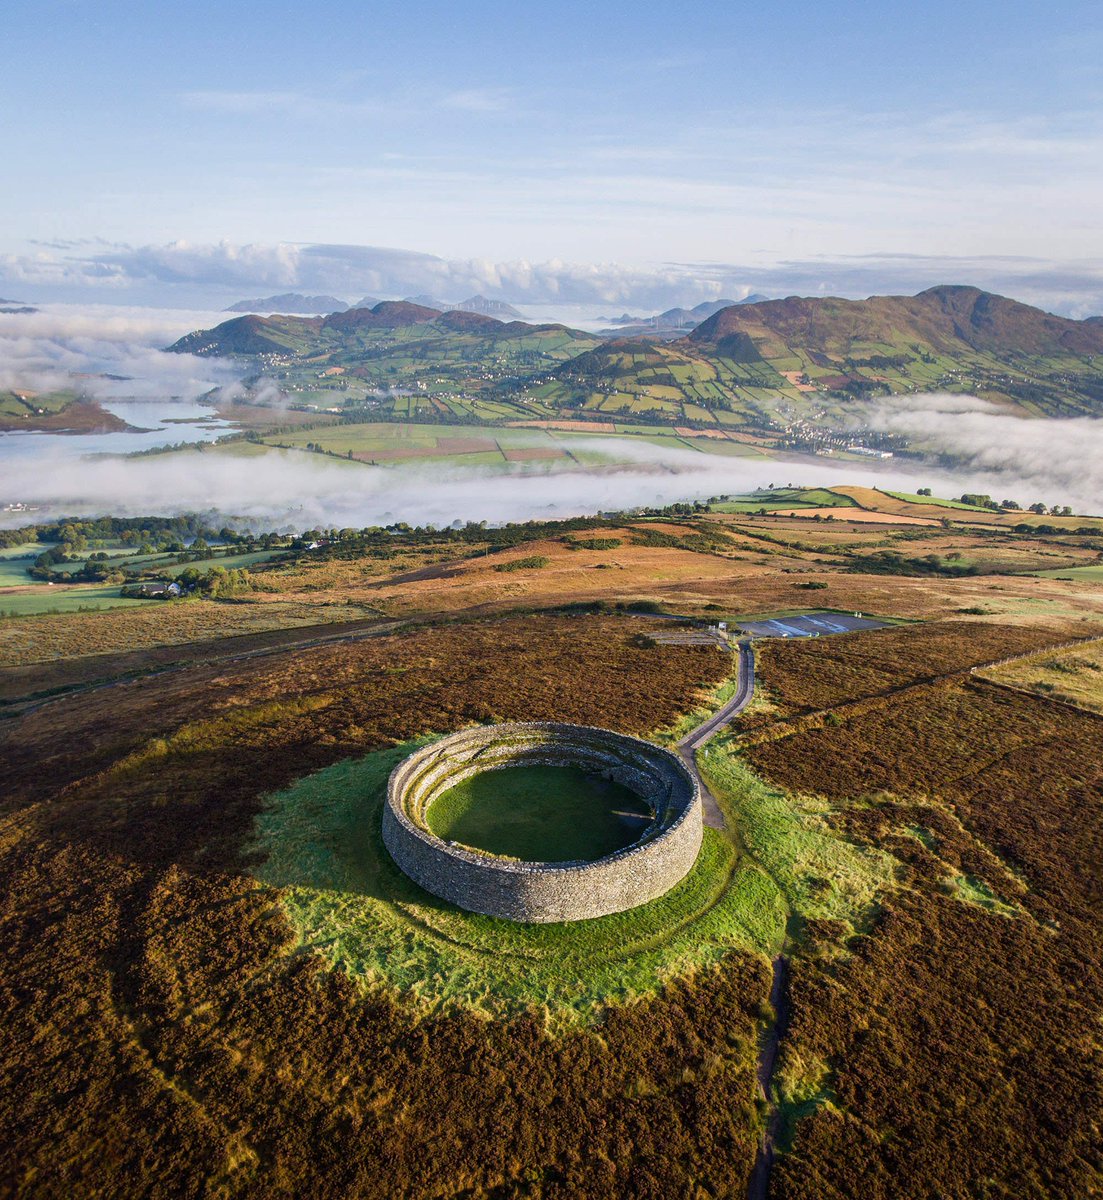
<point x="937" y="501"/>
<point x="170" y="569"/>
<point x="398" y="443"/>
<point x="64" y="598"/>
<point x="785" y="498"/>
<point x="21" y="406"/>
<point x="539" y="814"/>
<point x="14" y="561"/>
<point x="1094" y="571"/>
<point x="392" y="442"/>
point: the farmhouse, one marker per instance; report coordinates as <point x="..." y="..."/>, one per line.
<point x="156" y="589"/>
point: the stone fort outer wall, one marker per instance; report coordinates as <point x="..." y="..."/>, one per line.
<point x="545" y="892"/>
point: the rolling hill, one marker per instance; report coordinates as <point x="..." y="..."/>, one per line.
<point x="948" y="319"/>
<point x="769" y="364"/>
<point x="347" y="356"/>
<point x="807" y="356"/>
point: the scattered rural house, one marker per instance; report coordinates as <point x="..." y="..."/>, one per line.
<point x="157" y="589"/>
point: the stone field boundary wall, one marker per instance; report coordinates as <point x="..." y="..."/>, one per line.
<point x="545" y="892"/>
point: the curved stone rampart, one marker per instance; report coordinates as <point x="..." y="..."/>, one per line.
<point x="543" y="892"/>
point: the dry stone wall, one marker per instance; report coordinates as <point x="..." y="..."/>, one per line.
<point x="544" y="892"/>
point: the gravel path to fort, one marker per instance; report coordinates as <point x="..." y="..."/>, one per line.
<point x="774" y="1031"/>
<point x="696" y="738"/>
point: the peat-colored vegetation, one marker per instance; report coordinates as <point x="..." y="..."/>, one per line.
<point x="810" y="675"/>
<point x="176" y="1028"/>
<point x="160" y="1041"/>
<point x="955" y="1051"/>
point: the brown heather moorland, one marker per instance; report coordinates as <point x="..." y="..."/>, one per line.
<point x="164" y="1041"/>
<point x="958" y="1044"/>
<point x="158" y="1036"/>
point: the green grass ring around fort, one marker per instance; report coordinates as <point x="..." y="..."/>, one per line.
<point x="647" y="788"/>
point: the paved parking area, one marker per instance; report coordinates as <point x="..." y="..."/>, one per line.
<point x="813" y="624"/>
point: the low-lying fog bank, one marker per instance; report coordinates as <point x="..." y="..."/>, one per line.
<point x="114" y="353"/>
<point x="299" y="490"/>
<point x="108" y="353"/>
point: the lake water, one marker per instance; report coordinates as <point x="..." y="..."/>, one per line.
<point x="163" y="422"/>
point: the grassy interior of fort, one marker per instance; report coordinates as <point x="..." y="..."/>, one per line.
<point x="539" y="814"/>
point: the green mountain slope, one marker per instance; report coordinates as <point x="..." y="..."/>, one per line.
<point x="947" y="319"/>
<point x="771" y="364"/>
<point x="804" y="358"/>
<point x="396" y="345"/>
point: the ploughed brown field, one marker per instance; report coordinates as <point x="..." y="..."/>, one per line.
<point x="160" y="1039"/>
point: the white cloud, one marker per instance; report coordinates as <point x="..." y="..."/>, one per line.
<point x="217" y="273"/>
<point x="480" y="100"/>
<point x="63" y="348"/>
<point x="1055" y="462"/>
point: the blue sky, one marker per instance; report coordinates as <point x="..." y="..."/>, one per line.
<point x="152" y="142"/>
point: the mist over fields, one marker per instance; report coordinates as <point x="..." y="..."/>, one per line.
<point x="295" y="489"/>
<point x="1056" y="462"/>
<point x="69" y="346"/>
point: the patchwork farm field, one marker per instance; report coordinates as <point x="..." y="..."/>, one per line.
<point x="38" y="600"/>
<point x="500" y="442"/>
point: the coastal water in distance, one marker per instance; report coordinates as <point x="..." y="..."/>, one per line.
<point x="153" y="423"/>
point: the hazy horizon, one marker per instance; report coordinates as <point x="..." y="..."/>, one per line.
<point x="644" y="162"/>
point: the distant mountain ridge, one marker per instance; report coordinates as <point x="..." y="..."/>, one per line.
<point x="289" y="302"/>
<point x="473" y="304"/>
<point x="674" y="320"/>
<point x="296" y="304"/>
<point x="763" y="364"/>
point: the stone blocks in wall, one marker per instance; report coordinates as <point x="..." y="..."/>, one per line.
<point x="545" y="892"/>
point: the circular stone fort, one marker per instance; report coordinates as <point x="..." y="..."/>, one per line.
<point x="659" y="805"/>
